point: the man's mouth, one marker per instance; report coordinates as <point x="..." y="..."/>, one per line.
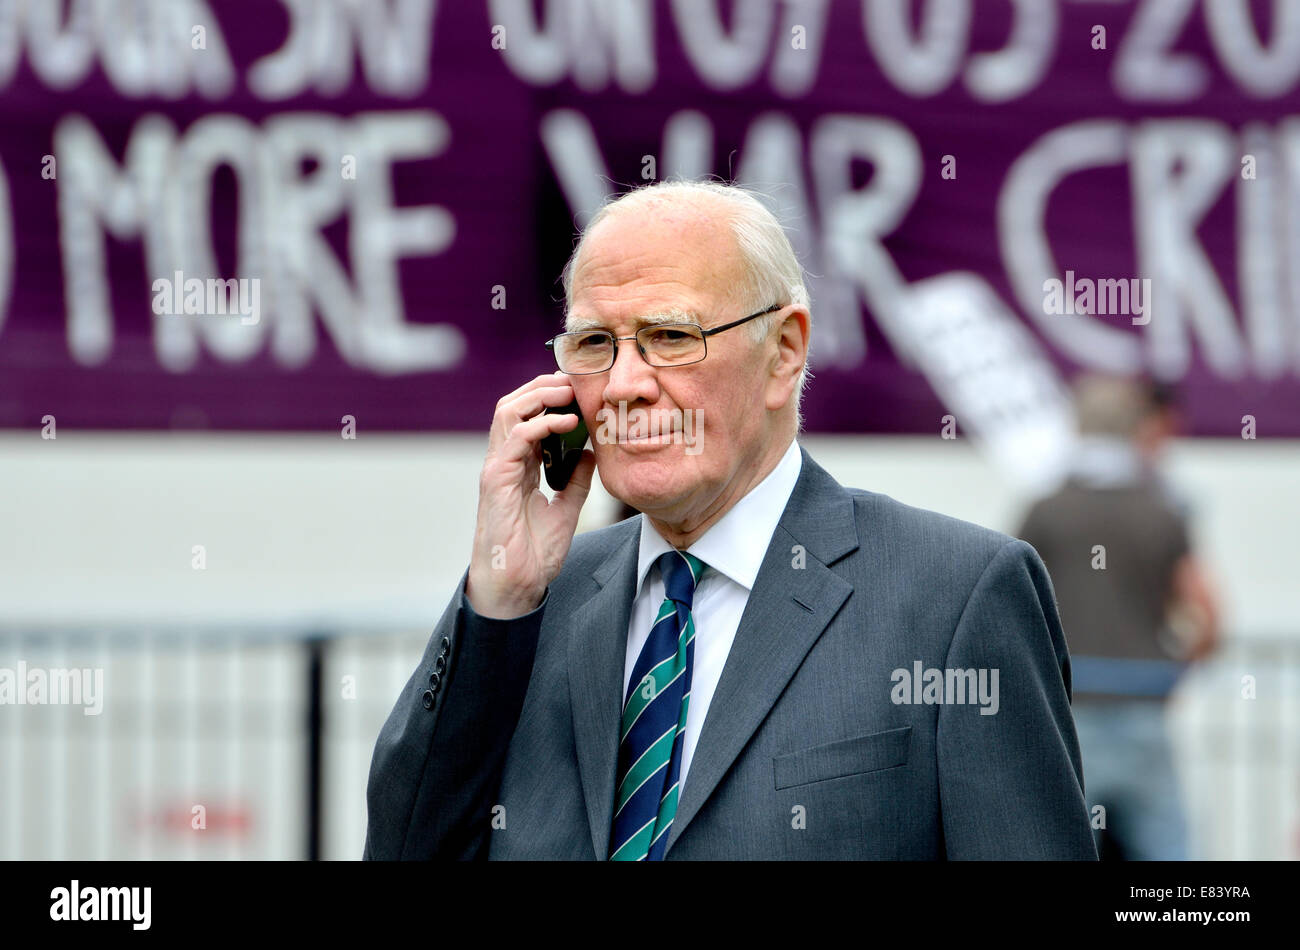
<point x="637" y="439"/>
<point x="635" y="436"/>
<point x="646" y="430"/>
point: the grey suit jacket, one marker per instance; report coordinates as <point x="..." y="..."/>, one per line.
<point x="504" y="744"/>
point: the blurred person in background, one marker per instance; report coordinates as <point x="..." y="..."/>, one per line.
<point x="1136" y="606"/>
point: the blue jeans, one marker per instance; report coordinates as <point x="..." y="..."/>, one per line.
<point x="1128" y="768"/>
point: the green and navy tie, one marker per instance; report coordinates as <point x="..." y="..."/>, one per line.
<point x="654" y="720"/>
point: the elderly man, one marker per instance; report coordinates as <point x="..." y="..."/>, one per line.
<point x="764" y="664"/>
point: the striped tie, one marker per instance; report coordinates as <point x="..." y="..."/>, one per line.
<point x="654" y="719"/>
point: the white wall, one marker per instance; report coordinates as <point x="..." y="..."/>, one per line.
<point x="309" y="530"/>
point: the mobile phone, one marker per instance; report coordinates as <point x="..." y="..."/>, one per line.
<point x="562" y="451"/>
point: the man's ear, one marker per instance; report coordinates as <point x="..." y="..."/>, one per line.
<point x="790" y="356"/>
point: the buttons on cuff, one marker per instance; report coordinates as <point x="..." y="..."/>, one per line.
<point x="430" y="695"/>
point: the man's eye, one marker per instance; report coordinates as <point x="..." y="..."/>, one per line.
<point x="669" y="336"/>
<point x="592" y="341"/>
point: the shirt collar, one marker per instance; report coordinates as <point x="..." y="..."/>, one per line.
<point x="737" y="544"/>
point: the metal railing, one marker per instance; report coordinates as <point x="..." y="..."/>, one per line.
<point x="212" y="745"/>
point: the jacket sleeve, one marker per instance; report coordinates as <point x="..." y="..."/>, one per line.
<point x="437" y="764"/>
<point x="1011" y="781"/>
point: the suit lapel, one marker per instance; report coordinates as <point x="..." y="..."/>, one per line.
<point x="597" y="654"/>
<point x="795" y="596"/>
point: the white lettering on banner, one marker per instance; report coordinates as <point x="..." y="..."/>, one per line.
<point x="848" y="252"/>
<point x="795" y="70"/>
<point x="6" y="246"/>
<point x="725" y="59"/>
<point x="1179" y="169"/>
<point x="575" y="157"/>
<point x="773" y="161"/>
<point x="1144" y="66"/>
<point x="305" y="274"/>
<point x="162" y="192"/>
<point x="11" y="45"/>
<point x="1262" y="69"/>
<point x="143" y="46"/>
<point x="918" y="66"/>
<point x="392" y="37"/>
<point x="381" y="233"/>
<point x="211" y="142"/>
<point x="1168" y="205"/>
<point x="856" y="221"/>
<point x="1289" y="147"/>
<point x="1027" y="254"/>
<point x="1261" y="271"/>
<point x="599" y="42"/>
<point x="688" y="144"/>
<point x="594" y="41"/>
<point x="290" y="189"/>
<point x="1004" y="74"/>
<point x="954" y="329"/>
<point x="96" y="198"/>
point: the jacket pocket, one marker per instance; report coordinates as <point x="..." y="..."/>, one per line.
<point x="869" y="753"/>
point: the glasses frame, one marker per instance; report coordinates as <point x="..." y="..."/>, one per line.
<point x="704" y="336"/>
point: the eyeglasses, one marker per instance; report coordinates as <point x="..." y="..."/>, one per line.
<point x="665" y="344"/>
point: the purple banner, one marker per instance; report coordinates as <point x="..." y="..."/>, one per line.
<point x="253" y="215"/>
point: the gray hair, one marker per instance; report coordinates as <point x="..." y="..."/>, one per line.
<point x="771" y="268"/>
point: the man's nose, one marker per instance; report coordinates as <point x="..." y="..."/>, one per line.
<point x="630" y="378"/>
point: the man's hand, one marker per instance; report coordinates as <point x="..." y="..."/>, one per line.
<point x="521" y="539"/>
<point x="1196" y="608"/>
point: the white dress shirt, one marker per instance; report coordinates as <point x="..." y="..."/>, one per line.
<point x="733" y="549"/>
